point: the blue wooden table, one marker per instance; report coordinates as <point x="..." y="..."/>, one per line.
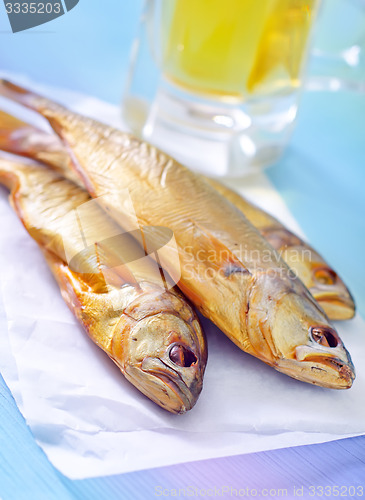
<point x="321" y="178"/>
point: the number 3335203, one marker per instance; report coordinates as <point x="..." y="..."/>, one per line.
<point x="33" y="8"/>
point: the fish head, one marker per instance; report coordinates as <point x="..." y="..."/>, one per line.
<point x="295" y="335"/>
<point x="321" y="280"/>
<point x="164" y="356"/>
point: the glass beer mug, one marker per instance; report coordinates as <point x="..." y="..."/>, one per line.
<point x="216" y="83"/>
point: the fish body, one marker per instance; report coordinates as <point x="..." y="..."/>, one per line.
<point x="149" y="330"/>
<point x="228" y="270"/>
<point x="323" y="282"/>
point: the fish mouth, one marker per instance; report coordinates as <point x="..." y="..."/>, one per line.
<point x="173" y="380"/>
<point x="345" y="371"/>
<point x="325" y="369"/>
<point x="186" y="399"/>
<point x="330" y="373"/>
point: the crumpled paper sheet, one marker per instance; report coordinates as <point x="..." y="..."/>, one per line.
<point x="91" y="422"/>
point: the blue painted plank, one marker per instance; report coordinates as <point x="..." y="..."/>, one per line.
<point x="25" y="471"/>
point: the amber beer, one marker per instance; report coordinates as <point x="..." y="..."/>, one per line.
<point x="235" y="49"/>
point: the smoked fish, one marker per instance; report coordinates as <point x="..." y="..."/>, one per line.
<point x="225" y="266"/>
<point x="148" y="329"/>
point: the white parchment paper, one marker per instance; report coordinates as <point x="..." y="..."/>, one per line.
<point x="91" y="422"/>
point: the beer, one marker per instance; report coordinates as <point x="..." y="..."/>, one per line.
<point x="235" y="49"/>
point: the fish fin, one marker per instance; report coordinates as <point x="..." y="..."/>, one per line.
<point x="215" y="254"/>
<point x="9" y="124"/>
<point x="94" y="282"/>
<point x="91" y="309"/>
<point x="109" y="263"/>
<point x="109" y="271"/>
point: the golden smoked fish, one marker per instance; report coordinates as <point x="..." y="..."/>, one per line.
<point x="322" y="281"/>
<point x="149" y="330"/>
<point x="228" y="270"/>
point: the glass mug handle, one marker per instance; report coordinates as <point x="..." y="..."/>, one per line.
<point x="338" y="55"/>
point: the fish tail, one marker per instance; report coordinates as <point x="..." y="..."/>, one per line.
<point x="60" y="118"/>
<point x="26" y="97"/>
<point x="55" y="113"/>
<point x="12" y="133"/>
<point x="23" y="139"/>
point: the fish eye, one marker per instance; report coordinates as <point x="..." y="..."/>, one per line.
<point x="324" y="335"/>
<point x="182" y="356"/>
<point x="325" y="276"/>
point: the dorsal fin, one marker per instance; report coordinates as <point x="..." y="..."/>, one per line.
<point x="115" y="273"/>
